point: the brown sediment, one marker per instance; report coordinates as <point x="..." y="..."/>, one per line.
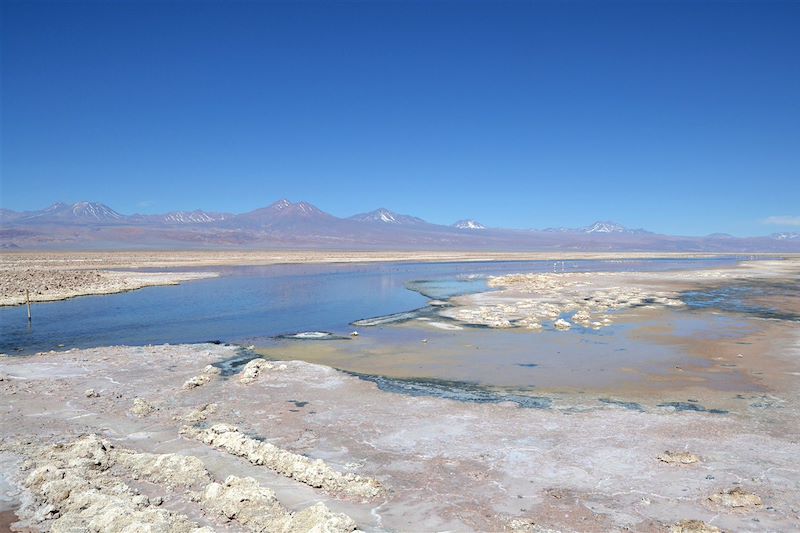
<point x="7" y="518"/>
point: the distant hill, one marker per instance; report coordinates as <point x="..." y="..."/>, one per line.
<point x="93" y="225"/>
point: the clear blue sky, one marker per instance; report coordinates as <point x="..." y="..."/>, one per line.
<point x="676" y="117"/>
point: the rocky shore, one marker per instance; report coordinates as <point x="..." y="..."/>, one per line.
<point x="110" y="437"/>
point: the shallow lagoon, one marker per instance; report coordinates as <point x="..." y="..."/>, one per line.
<point x="260" y="302"/>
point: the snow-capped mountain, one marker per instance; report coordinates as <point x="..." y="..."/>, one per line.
<point x="94" y="211"/>
<point x="283" y="214"/>
<point x="301" y="224"/>
<point x="384" y="216"/>
<point x="605" y="227"/>
<point x="284" y="208"/>
<point x="786" y="236"/>
<point x="80" y="212"/>
<point x="600" y="227"/>
<point x="197" y="216"/>
<point x="55" y="208"/>
<point x="468" y="224"/>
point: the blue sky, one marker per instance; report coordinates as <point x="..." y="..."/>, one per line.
<point x="676" y="117"/>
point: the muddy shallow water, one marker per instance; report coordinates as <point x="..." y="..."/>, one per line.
<point x="714" y="343"/>
<point x="550" y="360"/>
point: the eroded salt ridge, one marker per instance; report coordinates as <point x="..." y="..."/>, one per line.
<point x="314" y="473"/>
<point x="81" y="486"/>
<point x="257" y="509"/>
<point x="71" y="488"/>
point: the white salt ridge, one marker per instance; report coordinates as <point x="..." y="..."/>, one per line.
<point x="387" y="319"/>
<point x="311" y="335"/>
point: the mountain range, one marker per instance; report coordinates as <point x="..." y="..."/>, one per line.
<point x="285" y="224"/>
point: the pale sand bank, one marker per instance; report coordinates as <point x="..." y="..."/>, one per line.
<point x="47" y="285"/>
<point x="437" y="464"/>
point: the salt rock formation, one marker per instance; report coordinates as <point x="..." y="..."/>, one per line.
<point x="253" y="369"/>
<point x="201" y="413"/>
<point x="693" y="526"/>
<point x="314" y="473"/>
<point x="167" y="469"/>
<point x="682" y="458"/>
<point x="201" y="379"/>
<point x="73" y="490"/>
<point x="141" y="408"/>
<point x="256" y="508"/>
<point x="562" y="324"/>
<point x="526" y="299"/>
<point x="737" y="498"/>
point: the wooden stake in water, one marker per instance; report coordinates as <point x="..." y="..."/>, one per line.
<point x="28" y="300"/>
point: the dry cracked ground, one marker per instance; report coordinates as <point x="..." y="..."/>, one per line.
<point x="205" y="438"/>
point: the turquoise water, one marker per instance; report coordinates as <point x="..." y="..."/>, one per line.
<point x="258" y="302"/>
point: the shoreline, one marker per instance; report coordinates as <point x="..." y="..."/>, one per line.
<point x="56" y="276"/>
<point x="58" y="285"/>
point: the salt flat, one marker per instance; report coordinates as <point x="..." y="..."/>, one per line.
<point x="177" y="437"/>
<point x="441" y="464"/>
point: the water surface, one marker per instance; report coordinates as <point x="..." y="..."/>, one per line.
<point x="259" y="302"/>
